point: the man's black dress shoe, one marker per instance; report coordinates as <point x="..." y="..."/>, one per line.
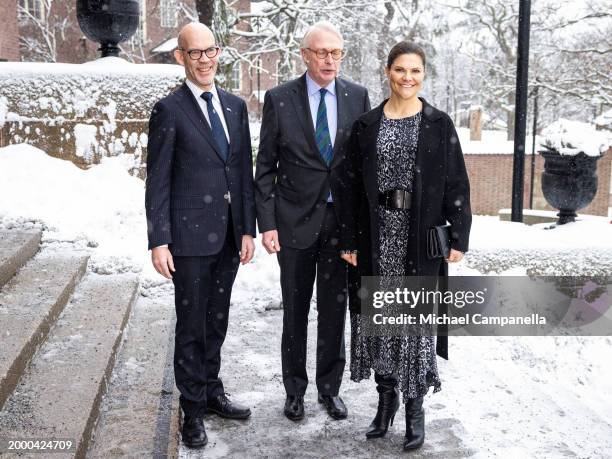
<point x="194" y="434"/>
<point x="225" y="408"/>
<point x="334" y="405"/>
<point x="294" y="407"/>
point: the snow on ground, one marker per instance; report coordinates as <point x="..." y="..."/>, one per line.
<point x="590" y="232"/>
<point x="493" y="142"/>
<point x="501" y="397"/>
<point x="101" y="208"/>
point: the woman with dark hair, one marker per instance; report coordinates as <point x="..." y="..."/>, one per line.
<point x="403" y="173"/>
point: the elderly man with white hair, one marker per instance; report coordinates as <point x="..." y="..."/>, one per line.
<point x="304" y="126"/>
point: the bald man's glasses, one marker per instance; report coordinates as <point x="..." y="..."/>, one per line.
<point x="196" y="54"/>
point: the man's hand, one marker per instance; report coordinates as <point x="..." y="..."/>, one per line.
<point x="350" y="258"/>
<point x="269" y="239"/>
<point x="162" y="261"/>
<point x="247" y="250"/>
<point x="454" y="256"/>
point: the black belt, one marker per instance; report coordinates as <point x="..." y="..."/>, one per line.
<point x="395" y="199"/>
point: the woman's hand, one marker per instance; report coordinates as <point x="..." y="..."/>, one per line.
<point x="454" y="256"/>
<point x="350" y="258"/>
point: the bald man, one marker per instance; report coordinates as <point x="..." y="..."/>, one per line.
<point x="201" y="220"/>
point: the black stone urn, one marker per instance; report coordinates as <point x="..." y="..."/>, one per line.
<point x="108" y="21"/>
<point x="569" y="182"/>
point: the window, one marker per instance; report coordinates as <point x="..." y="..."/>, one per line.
<point x="168" y="13"/>
<point x="236" y="77"/>
<point x="31" y="7"/>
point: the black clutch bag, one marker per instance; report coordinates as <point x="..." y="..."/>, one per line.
<point x="438" y="242"/>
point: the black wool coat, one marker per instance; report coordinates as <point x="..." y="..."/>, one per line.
<point x="441" y="194"/>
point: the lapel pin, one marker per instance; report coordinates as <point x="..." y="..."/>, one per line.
<point x="228" y="109"/>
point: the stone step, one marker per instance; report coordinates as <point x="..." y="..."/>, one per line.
<point x="136" y="411"/>
<point x="16" y="248"/>
<point x="29" y="305"/>
<point x="59" y="394"/>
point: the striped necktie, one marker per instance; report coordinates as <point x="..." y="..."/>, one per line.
<point x="322" y="136"/>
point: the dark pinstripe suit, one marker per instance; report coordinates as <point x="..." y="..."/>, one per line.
<point x="188" y="207"/>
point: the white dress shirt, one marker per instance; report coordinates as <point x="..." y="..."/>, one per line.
<point x="197" y="93"/>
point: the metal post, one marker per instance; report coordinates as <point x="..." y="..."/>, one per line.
<point x="520" y="116"/>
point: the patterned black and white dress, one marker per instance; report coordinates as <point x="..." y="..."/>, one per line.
<point x="411" y="358"/>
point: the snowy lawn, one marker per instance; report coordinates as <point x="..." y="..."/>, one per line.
<point x="523" y="397"/>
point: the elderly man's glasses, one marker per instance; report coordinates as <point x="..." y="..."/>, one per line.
<point x="336" y="54"/>
<point x="196" y="54"/>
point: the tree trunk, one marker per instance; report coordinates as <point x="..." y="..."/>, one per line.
<point x="383" y="44"/>
<point x="206" y="10"/>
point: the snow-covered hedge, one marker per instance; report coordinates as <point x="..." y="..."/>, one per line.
<point x="82" y="112"/>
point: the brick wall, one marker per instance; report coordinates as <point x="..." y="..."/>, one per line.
<point x="491" y="184"/>
<point x="9" y="32"/>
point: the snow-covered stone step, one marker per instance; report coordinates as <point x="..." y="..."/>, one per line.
<point x="16" y="248"/>
<point x="135" y="412"/>
<point x="59" y="394"/>
<point x="29" y="305"/>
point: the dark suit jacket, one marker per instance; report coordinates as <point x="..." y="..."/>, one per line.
<point x="292" y="181"/>
<point x="187" y="177"/>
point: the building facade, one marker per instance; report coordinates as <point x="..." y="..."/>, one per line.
<point x="9" y="32"/>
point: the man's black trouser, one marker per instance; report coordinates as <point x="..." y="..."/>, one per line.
<point x="299" y="268"/>
<point x="202" y="287"/>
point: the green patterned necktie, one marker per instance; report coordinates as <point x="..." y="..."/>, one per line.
<point x="322" y="136"/>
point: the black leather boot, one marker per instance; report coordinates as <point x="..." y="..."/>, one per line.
<point x="415" y="424"/>
<point x="388" y="404"/>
